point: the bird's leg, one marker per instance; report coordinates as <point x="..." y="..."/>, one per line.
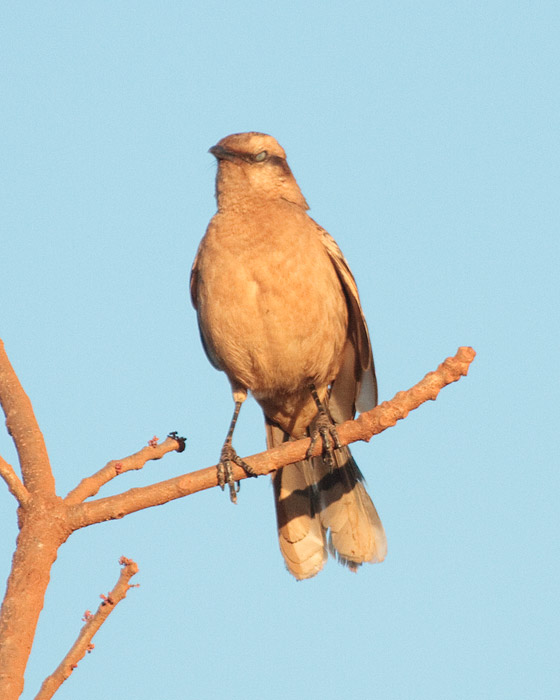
<point x="324" y="428"/>
<point x="229" y="456"/>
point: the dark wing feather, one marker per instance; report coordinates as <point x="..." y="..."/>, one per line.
<point x="358" y="359"/>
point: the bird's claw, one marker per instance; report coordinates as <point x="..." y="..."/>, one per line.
<point x="324" y="428"/>
<point x="228" y="457"/>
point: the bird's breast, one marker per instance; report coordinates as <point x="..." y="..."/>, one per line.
<point x="270" y="305"/>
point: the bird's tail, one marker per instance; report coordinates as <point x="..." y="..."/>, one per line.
<point x="320" y="510"/>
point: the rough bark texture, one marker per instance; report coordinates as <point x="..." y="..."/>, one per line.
<point x="44" y="528"/>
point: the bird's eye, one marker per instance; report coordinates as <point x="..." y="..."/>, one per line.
<point x="261" y="156"/>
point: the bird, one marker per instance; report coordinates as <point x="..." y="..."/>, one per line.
<point x="279" y="312"/>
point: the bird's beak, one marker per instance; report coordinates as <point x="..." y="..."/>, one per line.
<point x="221" y="153"/>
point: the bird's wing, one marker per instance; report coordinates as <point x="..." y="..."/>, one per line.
<point x="357" y="385"/>
<point x="194" y="281"/>
<point x="194" y="299"/>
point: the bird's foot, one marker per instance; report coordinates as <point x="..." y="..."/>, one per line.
<point x="228" y="457"/>
<point x="324" y="428"/>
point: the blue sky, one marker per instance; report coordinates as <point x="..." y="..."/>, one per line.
<point x="425" y="138"/>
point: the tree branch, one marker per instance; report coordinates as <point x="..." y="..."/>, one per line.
<point x="13" y="481"/>
<point x="93" y="622"/>
<point x="26" y="434"/>
<point x="368" y="424"/>
<point x="43" y="528"/>
<point x="46" y="521"/>
<point x="90" y="485"/>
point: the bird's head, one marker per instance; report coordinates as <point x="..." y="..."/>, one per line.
<point x="252" y="166"/>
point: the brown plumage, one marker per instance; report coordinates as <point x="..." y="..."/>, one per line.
<point x="279" y="312"/>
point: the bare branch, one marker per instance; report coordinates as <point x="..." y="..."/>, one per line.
<point x="22" y="426"/>
<point x="93" y="622"/>
<point x="43" y="528"/>
<point x="90" y="485"/>
<point x="46" y="521"/>
<point x="389" y="412"/>
<point x="17" y="489"/>
<point x="368" y="424"/>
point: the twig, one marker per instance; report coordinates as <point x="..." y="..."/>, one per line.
<point x="93" y="622"/>
<point x="90" y="485"/>
<point x="368" y="424"/>
<point x="13" y="481"/>
<point x="389" y="412"/>
<point x="22" y="426"/>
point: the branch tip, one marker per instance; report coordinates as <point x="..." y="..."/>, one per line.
<point x="90" y="486"/>
<point x="83" y="645"/>
<point x="181" y="440"/>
